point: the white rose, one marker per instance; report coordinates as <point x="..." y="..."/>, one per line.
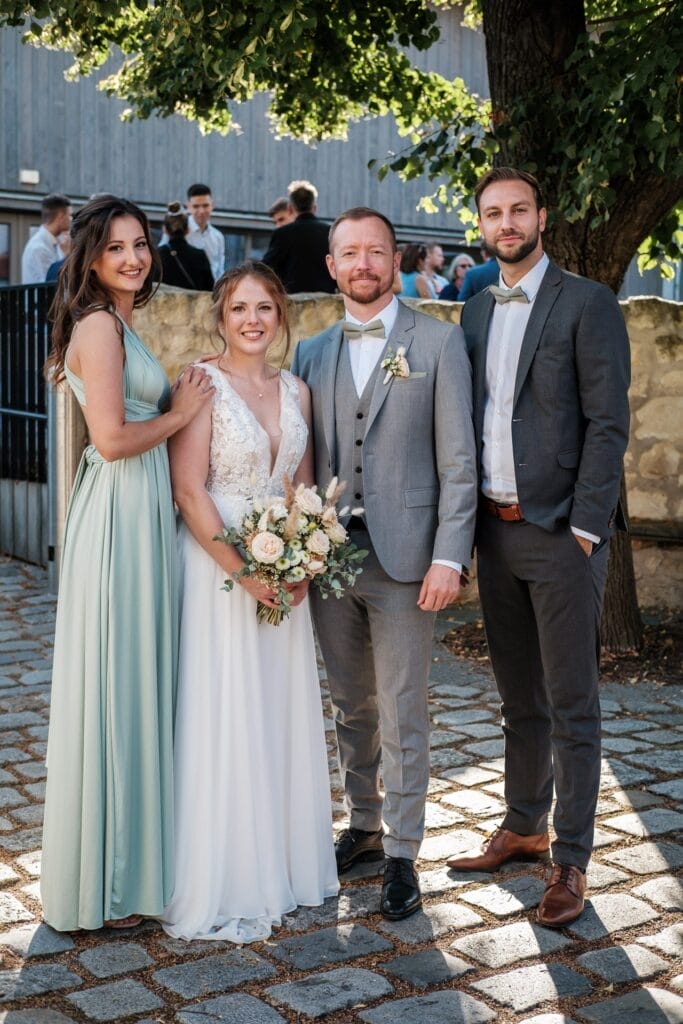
<point x="267" y="548"/>
<point x="315" y="566"/>
<point x="336" y="533"/>
<point x="278" y="512"/>
<point x="318" y="543"/>
<point x="309" y="502"/>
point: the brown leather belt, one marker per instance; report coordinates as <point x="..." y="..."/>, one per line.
<point x="508" y="513"/>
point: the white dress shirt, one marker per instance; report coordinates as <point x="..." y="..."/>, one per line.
<point x="506" y="332"/>
<point x="212" y="241"/>
<point x="39" y="253"/>
<point x="364" y="353"/>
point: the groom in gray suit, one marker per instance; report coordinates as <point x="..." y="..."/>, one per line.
<point x="402" y="438"/>
<point x="550" y="358"/>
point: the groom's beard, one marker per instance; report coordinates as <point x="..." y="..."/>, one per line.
<point x="525" y="247"/>
<point x="367" y="288"/>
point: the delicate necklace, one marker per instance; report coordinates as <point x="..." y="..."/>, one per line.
<point x="248" y="380"/>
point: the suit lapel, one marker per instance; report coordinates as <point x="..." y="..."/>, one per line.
<point x="402" y="333"/>
<point x="328" y="380"/>
<point x="481" y="334"/>
<point x="543" y="303"/>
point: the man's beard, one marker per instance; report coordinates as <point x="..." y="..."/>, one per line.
<point x="515" y="255"/>
<point x="366" y="297"/>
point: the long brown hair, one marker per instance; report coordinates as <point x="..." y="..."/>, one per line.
<point x="79" y="290"/>
<point x="225" y="286"/>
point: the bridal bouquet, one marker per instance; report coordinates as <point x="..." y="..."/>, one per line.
<point x="293" y="538"/>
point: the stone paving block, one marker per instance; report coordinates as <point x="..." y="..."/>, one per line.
<point x="116" y="1000"/>
<point x="665" y="892"/>
<point x="654" y="822"/>
<point x="664" y="736"/>
<point x="364" y="869"/>
<point x="599" y="876"/>
<point x="647" y="858"/>
<point x="12" y="755"/>
<point x="7" y="876"/>
<point x="611" y="912"/>
<point x="437" y="786"/>
<point x="438" y="816"/>
<point x="36" y="677"/>
<point x="32" y="890"/>
<point x="617" y="726"/>
<point x="448" y="844"/>
<point x="624" y="744"/>
<point x="487" y="748"/>
<point x="669" y="940"/>
<point x="445" y="879"/>
<point x="446" y="757"/>
<point x="445" y="1007"/>
<point x="34" y="940"/>
<point x="36" y="790"/>
<point x="444" y="738"/>
<point x="320" y="994"/>
<point x="354" y="901"/>
<point x="12" y="910"/>
<point x="601" y="837"/>
<point x="21" y="842"/>
<point x="480" y="730"/>
<point x="502" y="946"/>
<point x="10" y="797"/>
<point x="667" y="761"/>
<point x="5" y="824"/>
<point x="674" y="789"/>
<point x="469" y="775"/>
<point x="36" y="1016"/>
<point x="636" y="799"/>
<point x="31" y="815"/>
<point x="30" y="863"/>
<point x="329" y="945"/>
<point x="34" y="981"/>
<point x="509" y="897"/>
<point x="677" y="982"/>
<point x="549" y="1018"/>
<point x="529" y="986"/>
<point x="7" y="777"/>
<point x="431" y="923"/>
<point x="465" y="716"/>
<point x="32" y="770"/>
<point x="19" y="719"/>
<point x="214" y="973"/>
<point x="115" y="958"/>
<point x="235" y="1009"/>
<point x="474" y="801"/>
<point x="623" y="963"/>
<point x="428" y="967"/>
<point x="616" y="774"/>
<point x="644" y="1006"/>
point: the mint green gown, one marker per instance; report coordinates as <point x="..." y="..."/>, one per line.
<point x="108" y="829"/>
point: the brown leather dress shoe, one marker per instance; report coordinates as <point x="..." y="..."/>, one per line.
<point x="501" y="846"/>
<point x="562" y="900"/>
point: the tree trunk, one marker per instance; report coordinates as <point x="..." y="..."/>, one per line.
<point x="622" y="626"/>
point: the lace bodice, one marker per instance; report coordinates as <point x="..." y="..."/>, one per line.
<point x="240" y="455"/>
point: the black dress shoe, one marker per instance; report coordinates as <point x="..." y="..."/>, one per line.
<point x="354" y="845"/>
<point x="400" y="890"/>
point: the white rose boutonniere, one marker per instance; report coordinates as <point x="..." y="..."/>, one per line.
<point x="396" y="364"/>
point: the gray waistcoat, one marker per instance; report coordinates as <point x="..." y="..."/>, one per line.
<point x="351" y="414"/>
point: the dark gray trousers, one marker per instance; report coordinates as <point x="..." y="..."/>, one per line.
<point x="542" y="597"/>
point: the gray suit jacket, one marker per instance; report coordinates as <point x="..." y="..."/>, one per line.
<point x="570" y="417"/>
<point x="418" y="456"/>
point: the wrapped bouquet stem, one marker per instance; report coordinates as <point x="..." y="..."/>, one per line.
<point x="285" y="540"/>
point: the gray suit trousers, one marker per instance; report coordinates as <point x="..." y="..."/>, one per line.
<point x="376" y="644"/>
<point x="542" y="596"/>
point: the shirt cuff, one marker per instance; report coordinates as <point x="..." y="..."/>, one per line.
<point x="451" y="565"/>
<point x="586" y="536"/>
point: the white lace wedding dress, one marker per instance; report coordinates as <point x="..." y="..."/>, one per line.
<point x="252" y="798"/>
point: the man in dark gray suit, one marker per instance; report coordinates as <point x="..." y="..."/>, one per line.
<point x="404" y="443"/>
<point x="550" y="359"/>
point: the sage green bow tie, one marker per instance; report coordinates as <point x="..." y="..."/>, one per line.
<point x="375" y="329"/>
<point x="508" y="294"/>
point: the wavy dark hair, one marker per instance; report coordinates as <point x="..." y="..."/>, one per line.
<point x="79" y="291"/>
<point x="225" y="286"/>
<point x="412" y="254"/>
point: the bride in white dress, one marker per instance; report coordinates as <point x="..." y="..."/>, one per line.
<point x="253" y="821"/>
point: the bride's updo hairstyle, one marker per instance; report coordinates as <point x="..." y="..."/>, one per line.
<point x="226" y="284"/>
<point x="79" y="290"/>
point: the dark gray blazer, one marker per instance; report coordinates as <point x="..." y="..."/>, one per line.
<point x="570" y="418"/>
<point x="419" y="472"/>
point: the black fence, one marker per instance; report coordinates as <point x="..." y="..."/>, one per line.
<point x="24" y="345"/>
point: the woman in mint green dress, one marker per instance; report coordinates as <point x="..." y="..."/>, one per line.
<point x="108" y="830"/>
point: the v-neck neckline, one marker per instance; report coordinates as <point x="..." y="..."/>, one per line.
<point x="274" y="461"/>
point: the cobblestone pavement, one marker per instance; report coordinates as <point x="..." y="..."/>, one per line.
<point x="474" y="954"/>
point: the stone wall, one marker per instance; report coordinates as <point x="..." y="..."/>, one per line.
<point x="177" y="327"/>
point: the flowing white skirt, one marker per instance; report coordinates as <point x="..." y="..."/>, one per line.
<point x="252" y="796"/>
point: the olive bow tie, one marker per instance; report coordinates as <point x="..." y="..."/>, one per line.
<point x="516" y="294"/>
<point x="375" y="329"/>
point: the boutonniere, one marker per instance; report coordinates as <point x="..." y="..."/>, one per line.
<point x="396" y="364"/>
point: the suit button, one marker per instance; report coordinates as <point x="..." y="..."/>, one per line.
<point x="359" y="442"/>
<point x="359" y="469"/>
<point x="359" y="415"/>
<point x="358" y="495"/>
